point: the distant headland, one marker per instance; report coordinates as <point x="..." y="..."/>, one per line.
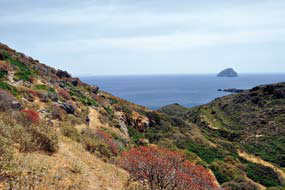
<point x="229" y="72"/>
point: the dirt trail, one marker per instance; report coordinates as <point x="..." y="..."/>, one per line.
<point x="257" y="160"/>
<point x="100" y="175"/>
<point x="260" y="187"/>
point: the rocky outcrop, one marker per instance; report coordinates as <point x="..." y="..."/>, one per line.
<point x="68" y="108"/>
<point x="63" y="74"/>
<point x="8" y="102"/>
<point x="95" y="89"/>
<point x="231" y="90"/>
<point x="2" y="57"/>
<point x="228" y="73"/>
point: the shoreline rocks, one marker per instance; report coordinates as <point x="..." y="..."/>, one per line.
<point x="231" y="90"/>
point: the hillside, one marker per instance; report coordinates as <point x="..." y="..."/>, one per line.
<point x="242" y="136"/>
<point x="57" y="132"/>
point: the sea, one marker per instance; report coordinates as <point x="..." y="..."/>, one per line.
<point x="155" y="91"/>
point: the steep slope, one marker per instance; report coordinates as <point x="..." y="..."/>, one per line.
<point x="57" y="132"/>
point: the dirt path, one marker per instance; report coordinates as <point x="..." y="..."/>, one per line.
<point x="257" y="160"/>
<point x="100" y="175"/>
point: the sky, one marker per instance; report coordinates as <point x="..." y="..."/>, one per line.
<point x="137" y="37"/>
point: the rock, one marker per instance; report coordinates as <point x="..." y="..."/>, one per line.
<point x="63" y="74"/>
<point x="15" y="105"/>
<point x="95" y="89"/>
<point x="231" y="90"/>
<point x="62" y="84"/>
<point x="123" y="127"/>
<point x="2" y="57"/>
<point x="75" y="81"/>
<point x="8" y="102"/>
<point x="228" y="73"/>
<point x="53" y="96"/>
<point x="68" y="108"/>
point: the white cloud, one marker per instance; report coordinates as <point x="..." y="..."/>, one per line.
<point x="142" y="29"/>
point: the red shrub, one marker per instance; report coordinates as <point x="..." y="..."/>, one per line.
<point x="64" y="94"/>
<point x="31" y="115"/>
<point x="163" y="169"/>
<point x="34" y="93"/>
<point x="108" y="140"/>
<point x="5" y="66"/>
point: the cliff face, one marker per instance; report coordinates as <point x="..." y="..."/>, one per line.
<point x="228" y="73"/>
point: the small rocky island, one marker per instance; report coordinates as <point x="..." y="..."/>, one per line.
<point x="229" y="72"/>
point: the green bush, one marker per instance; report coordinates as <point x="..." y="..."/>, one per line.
<point x="71" y="132"/>
<point x="262" y="174"/>
<point x="206" y="153"/>
<point x="271" y="149"/>
<point x="75" y="92"/>
<point x="24" y="72"/>
<point x="6" y="86"/>
<point x="43" y="87"/>
<point x="134" y="134"/>
<point x="3" y="73"/>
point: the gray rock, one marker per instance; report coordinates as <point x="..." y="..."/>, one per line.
<point x="2" y="57"/>
<point x="231" y="90"/>
<point x="15" y="105"/>
<point x="53" y="96"/>
<point x="63" y="74"/>
<point x="95" y="89"/>
<point x="228" y="73"/>
<point x="68" y="108"/>
<point x="74" y="82"/>
<point x="123" y="127"/>
<point x="8" y="102"/>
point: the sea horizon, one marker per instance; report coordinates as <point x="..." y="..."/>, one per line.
<point x="189" y="90"/>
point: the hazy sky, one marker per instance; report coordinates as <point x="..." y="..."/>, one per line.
<point x="92" y="37"/>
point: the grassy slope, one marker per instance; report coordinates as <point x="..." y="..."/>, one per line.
<point x="241" y="127"/>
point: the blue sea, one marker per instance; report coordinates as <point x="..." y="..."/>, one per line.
<point x="188" y="90"/>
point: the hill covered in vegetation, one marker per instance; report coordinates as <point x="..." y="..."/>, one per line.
<point x="57" y="132"/>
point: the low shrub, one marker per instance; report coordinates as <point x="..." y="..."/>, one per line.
<point x="24" y="72"/>
<point x="32" y="137"/>
<point x="208" y="154"/>
<point x="64" y="94"/>
<point x="31" y="116"/>
<point x="45" y="138"/>
<point x="158" y="168"/>
<point x="262" y="174"/>
<point x="99" y="141"/>
<point x="71" y="132"/>
<point x="8" y="87"/>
